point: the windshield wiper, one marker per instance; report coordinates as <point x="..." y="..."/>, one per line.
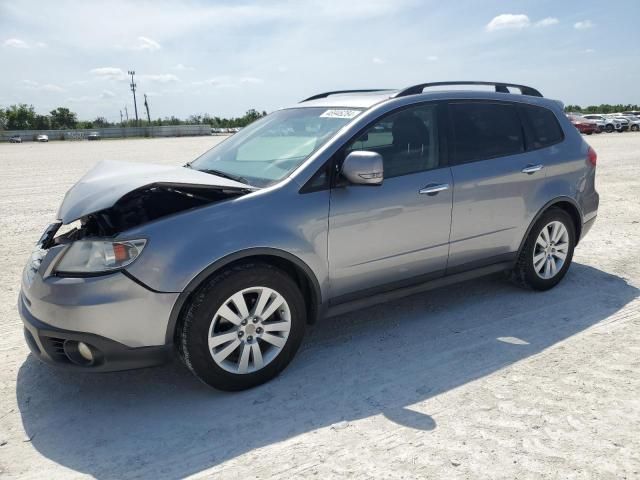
<point x="222" y="174"/>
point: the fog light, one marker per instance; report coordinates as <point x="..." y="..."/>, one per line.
<point x="85" y="352"/>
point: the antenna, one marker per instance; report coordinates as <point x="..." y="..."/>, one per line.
<point x="133" y="89"/>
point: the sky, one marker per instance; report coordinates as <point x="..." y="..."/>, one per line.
<point x="224" y="57"/>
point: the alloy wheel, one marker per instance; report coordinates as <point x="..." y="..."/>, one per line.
<point x="551" y="250"/>
<point x="249" y="330"/>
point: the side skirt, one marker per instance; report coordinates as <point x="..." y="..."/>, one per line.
<point x="357" y="304"/>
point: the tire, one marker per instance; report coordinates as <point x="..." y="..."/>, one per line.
<point x="589" y="133"/>
<point x="525" y="272"/>
<point x="203" y="323"/>
<point x="609" y="128"/>
<point x="635" y="128"/>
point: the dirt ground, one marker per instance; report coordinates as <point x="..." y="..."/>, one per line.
<point x="480" y="380"/>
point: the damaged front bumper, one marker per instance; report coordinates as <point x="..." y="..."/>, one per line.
<point x="59" y="347"/>
<point x="123" y="322"/>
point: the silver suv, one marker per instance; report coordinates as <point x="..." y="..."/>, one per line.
<point x="339" y="202"/>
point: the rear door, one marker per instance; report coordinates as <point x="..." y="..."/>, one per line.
<point x="495" y="182"/>
<point x="385" y="236"/>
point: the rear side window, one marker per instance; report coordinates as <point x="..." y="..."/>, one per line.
<point x="483" y="130"/>
<point x="543" y="129"/>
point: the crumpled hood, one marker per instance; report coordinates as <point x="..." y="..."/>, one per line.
<point x="110" y="180"/>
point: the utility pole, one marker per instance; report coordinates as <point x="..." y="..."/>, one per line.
<point x="146" y="105"/>
<point x="126" y="112"/>
<point x="133" y="89"/>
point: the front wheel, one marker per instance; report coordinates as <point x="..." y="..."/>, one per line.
<point x="547" y="252"/>
<point x="243" y="327"/>
<point x="635" y="128"/>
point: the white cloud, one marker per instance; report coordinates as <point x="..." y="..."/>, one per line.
<point x="15" y="43"/>
<point x="41" y="45"/>
<point x="109" y="73"/>
<point x="253" y="80"/>
<point x="146" y="43"/>
<point x="160" y="78"/>
<point x="227" y="81"/>
<point x="47" y="87"/>
<point x="584" y="25"/>
<point x="106" y="94"/>
<point x="432" y="58"/>
<point x="547" y="22"/>
<point x="589" y="50"/>
<point x="508" y="21"/>
<point x="182" y="67"/>
<point x="377" y="60"/>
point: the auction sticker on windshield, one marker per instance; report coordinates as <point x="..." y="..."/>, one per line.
<point x="340" y="113"/>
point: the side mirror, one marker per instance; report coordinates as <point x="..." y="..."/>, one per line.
<point x="363" y="168"/>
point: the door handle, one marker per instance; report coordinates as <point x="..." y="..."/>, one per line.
<point x="532" y="168"/>
<point x="433" y="189"/>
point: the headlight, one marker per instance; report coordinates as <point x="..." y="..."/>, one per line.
<point x="85" y="256"/>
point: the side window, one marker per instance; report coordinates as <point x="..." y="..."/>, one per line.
<point x="543" y="127"/>
<point x="483" y="130"/>
<point x="407" y="140"/>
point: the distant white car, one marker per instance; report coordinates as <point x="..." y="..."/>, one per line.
<point x="634" y="121"/>
<point x="610" y="124"/>
<point x="42" y="138"/>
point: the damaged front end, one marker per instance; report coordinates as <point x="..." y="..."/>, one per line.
<point x="112" y="198"/>
<point x="141" y="206"/>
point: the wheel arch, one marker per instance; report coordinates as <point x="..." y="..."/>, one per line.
<point x="567" y="204"/>
<point x="294" y="266"/>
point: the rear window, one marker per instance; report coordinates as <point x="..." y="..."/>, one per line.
<point x="543" y="129"/>
<point x="483" y="130"/>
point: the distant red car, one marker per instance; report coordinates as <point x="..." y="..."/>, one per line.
<point x="583" y="125"/>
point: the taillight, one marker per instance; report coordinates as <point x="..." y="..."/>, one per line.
<point x="592" y="156"/>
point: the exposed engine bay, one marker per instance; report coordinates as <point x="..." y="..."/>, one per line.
<point x="138" y="207"/>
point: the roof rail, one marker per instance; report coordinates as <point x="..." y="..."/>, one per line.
<point x="326" y="94"/>
<point x="500" y="87"/>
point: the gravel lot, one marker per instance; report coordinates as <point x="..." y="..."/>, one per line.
<point x="481" y="380"/>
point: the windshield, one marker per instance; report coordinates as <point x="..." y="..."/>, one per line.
<point x="269" y="149"/>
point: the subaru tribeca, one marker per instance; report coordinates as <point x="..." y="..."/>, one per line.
<point x="346" y="199"/>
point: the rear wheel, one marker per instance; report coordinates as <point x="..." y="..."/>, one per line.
<point x="547" y="252"/>
<point x="635" y="128"/>
<point x="609" y="128"/>
<point x="243" y="327"/>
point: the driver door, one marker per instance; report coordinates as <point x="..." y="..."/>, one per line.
<point x="397" y="233"/>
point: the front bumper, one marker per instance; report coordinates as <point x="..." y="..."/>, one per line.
<point x="60" y="347"/>
<point x="124" y="322"/>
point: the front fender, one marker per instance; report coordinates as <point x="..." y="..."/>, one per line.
<point x="183" y="246"/>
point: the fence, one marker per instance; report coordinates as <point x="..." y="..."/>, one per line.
<point x="117" y="132"/>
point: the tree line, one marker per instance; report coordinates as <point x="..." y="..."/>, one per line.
<point x="24" y="117"/>
<point x="602" y="108"/>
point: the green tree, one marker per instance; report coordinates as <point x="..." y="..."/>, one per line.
<point x="101" y="122"/>
<point x="20" y="117"/>
<point x="3" y="119"/>
<point x="62" y="118"/>
<point x="42" y="122"/>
